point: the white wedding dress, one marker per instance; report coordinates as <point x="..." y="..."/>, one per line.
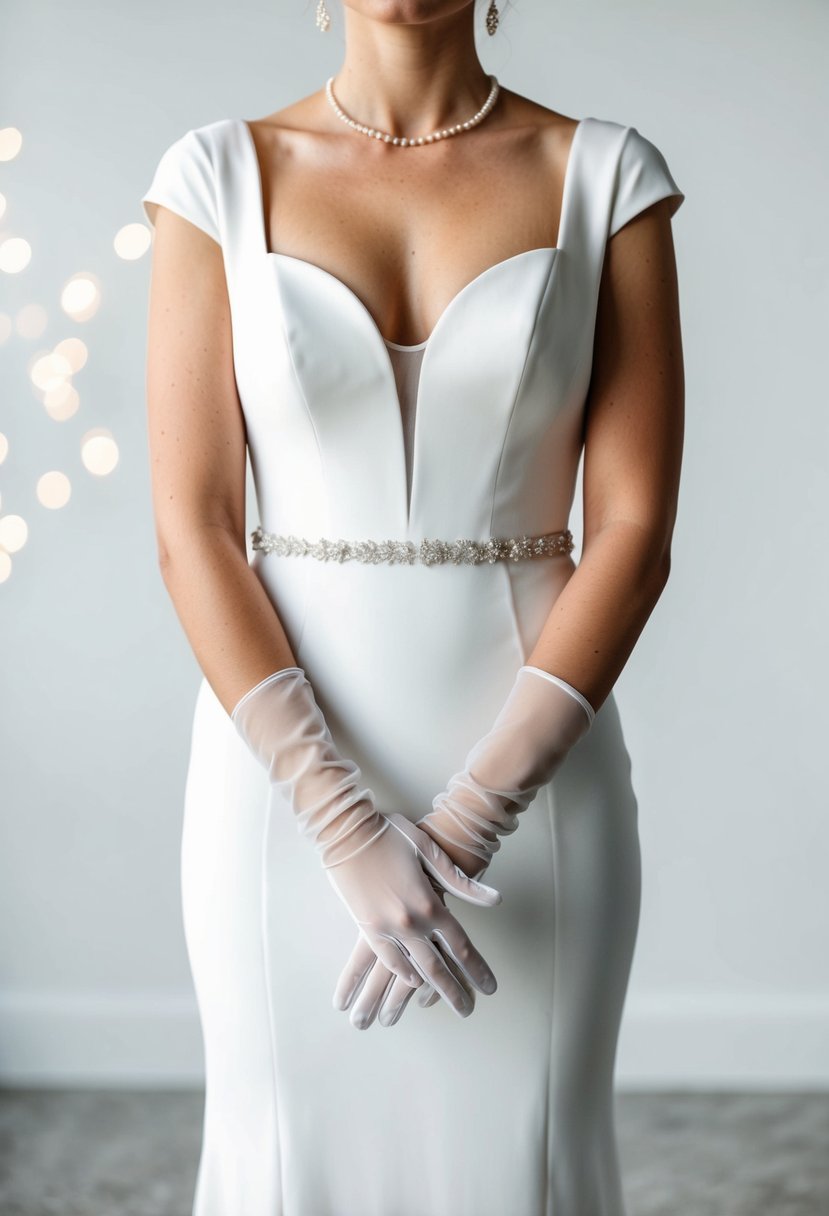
<point x="475" y="433"/>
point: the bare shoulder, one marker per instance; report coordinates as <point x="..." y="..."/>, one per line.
<point x="521" y="114"/>
<point x="302" y="115"/>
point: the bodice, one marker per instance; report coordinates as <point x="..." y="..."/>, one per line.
<point x="475" y="434"/>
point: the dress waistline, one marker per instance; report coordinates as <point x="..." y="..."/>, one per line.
<point x="428" y="552"/>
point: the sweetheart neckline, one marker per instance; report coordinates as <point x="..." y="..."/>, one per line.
<point x="567" y="189"/>
<point x="442" y="320"/>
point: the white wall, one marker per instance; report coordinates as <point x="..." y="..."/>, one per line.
<point x="723" y="699"/>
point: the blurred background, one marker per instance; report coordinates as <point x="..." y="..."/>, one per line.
<point x="723" y="1065"/>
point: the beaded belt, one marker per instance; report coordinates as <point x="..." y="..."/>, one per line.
<point x="429" y="552"/>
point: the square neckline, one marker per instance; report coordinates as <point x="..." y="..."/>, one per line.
<point x="567" y="190"/>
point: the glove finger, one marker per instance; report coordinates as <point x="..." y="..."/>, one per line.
<point x="394" y="1003"/>
<point x="400" y="994"/>
<point x="354" y="973"/>
<point x="375" y="989"/>
<point x="440" y="865"/>
<point x="462" y="979"/>
<point x="431" y="998"/>
<point x="453" y="879"/>
<point x="455" y="943"/>
<point x="395" y="995"/>
<point x="426" y="995"/>
<point x="395" y="956"/>
<point x="428" y="958"/>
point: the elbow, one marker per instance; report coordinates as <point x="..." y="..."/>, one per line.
<point x="164" y="559"/>
<point x="165" y="554"/>
<point x="659" y="569"/>
<point x="656" y="556"/>
<point x="178" y="547"/>
<point x="649" y="549"/>
<point x="655" y="568"/>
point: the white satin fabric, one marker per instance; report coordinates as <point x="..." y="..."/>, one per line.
<point x="508" y="1112"/>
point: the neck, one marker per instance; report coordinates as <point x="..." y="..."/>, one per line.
<point x="410" y="78"/>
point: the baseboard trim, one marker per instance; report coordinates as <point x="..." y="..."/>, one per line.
<point x="722" y="1041"/>
<point x="104" y="1040"/>
<point x="682" y="1041"/>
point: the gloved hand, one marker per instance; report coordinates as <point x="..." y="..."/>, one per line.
<point x="369" y="990"/>
<point x="542" y="718"/>
<point x="380" y="866"/>
<point x="397" y="903"/>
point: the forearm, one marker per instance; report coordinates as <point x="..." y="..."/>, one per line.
<point x="230" y="622"/>
<point x="600" y="614"/>
<point x="587" y="638"/>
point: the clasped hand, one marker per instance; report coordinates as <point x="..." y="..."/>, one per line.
<point x="393" y="889"/>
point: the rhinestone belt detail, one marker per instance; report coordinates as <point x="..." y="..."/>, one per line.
<point x="428" y="552"/>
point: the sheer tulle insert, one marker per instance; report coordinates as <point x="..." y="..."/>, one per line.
<point x="406" y="361"/>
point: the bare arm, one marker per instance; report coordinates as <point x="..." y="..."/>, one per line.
<point x="197" y="454"/>
<point x="633" y="451"/>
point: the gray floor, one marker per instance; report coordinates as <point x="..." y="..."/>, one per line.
<point x="104" y="1153"/>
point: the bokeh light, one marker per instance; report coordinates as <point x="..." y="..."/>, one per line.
<point x="53" y="489"/>
<point x="74" y="351"/>
<point x="99" y="451"/>
<point x="11" y="141"/>
<point x="13" y="532"/>
<point x="48" y="370"/>
<point x="62" y="401"/>
<point x="15" y="254"/>
<point x="132" y="241"/>
<point x="81" y="297"/>
<point x="51" y="368"/>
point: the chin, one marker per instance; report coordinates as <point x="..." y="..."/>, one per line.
<point x="406" y="12"/>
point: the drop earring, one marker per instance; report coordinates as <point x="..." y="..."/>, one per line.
<point x="323" y="19"/>
<point x="492" y="17"/>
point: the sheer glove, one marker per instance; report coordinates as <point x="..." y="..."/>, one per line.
<point x="380" y="866"/>
<point x="542" y="718"/>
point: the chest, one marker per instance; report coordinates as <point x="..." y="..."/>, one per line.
<point x="407" y="230"/>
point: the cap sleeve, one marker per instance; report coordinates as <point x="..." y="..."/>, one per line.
<point x="643" y="177"/>
<point x="184" y="181"/>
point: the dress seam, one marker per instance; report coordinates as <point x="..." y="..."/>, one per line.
<point x="548" y="1088"/>
<point x="306" y="609"/>
<point x="263" y="933"/>
<point x="517" y="394"/>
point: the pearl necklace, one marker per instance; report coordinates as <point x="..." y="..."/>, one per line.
<point x="401" y="140"/>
